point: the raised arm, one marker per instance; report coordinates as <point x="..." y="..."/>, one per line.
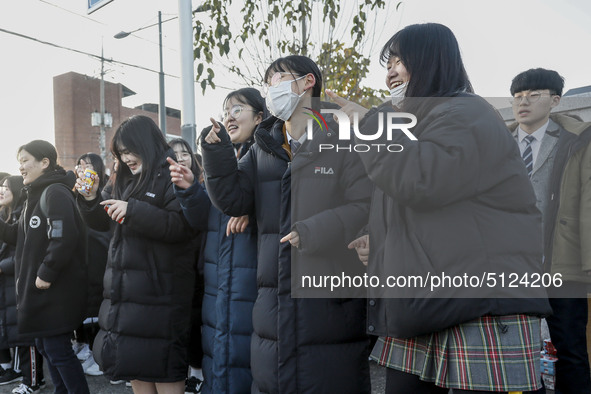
<point x="229" y="183"/>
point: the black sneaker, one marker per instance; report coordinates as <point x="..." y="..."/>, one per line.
<point x="193" y="385"/>
<point x="10" y="376"/>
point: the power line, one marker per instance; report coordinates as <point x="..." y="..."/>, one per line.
<point x="81" y="52"/>
<point x="72" y="12"/>
<point x="93" y="55"/>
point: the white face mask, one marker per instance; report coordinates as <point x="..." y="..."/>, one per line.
<point x="282" y="101"/>
<point x="398" y="93"/>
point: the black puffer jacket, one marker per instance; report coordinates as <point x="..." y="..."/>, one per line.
<point x="299" y="345"/>
<point x="457" y="201"/>
<point x="56" y="254"/>
<point x="8" y="328"/>
<point x="98" y="246"/>
<point x="148" y="285"/>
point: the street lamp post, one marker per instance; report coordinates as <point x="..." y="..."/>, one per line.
<point x="161" y="104"/>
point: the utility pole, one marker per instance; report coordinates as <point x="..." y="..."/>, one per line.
<point x="102" y="137"/>
<point x="187" y="74"/>
<point x="162" y="105"/>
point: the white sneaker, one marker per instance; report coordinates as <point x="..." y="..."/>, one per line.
<point x="90" y="367"/>
<point x="24" y="389"/>
<point x="83" y="352"/>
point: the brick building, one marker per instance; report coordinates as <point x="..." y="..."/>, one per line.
<point x="76" y="97"/>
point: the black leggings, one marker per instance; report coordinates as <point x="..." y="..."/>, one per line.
<point x="398" y="382"/>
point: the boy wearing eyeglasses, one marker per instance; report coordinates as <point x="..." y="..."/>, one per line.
<point x="555" y="150"/>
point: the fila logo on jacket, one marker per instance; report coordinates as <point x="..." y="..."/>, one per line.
<point x="323" y="170"/>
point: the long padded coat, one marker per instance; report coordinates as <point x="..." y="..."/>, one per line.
<point x="148" y="286"/>
<point x="229" y="271"/>
<point x="299" y="345"/>
<point x="49" y="245"/>
<point x="8" y="328"/>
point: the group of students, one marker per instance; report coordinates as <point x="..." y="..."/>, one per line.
<point x="204" y="267"/>
<point x="25" y="362"/>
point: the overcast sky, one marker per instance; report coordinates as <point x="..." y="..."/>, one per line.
<point x="498" y="40"/>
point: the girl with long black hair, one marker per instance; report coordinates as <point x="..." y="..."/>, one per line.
<point x="145" y="316"/>
<point x="455" y="201"/>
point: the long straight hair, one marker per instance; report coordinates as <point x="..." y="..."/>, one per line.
<point x="431" y="55"/>
<point x="142" y="137"/>
<point x="15" y="185"/>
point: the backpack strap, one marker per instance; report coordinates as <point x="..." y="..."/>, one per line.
<point x="43" y="199"/>
<point x="43" y="206"/>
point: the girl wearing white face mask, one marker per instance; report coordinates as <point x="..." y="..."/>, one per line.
<point x="287" y="94"/>
<point x="308" y="206"/>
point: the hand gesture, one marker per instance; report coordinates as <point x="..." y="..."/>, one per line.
<point x="348" y="107"/>
<point x="212" y="136"/>
<point x="116" y="209"/>
<point x="361" y="245"/>
<point x="293" y="238"/>
<point x="180" y="174"/>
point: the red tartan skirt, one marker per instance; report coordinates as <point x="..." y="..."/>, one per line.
<point x="492" y="353"/>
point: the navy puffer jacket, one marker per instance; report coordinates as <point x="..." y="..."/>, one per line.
<point x="230" y="291"/>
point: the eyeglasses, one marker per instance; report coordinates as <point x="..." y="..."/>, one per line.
<point x="235" y="111"/>
<point x="183" y="156"/>
<point x="275" y="81"/>
<point x="532" y="97"/>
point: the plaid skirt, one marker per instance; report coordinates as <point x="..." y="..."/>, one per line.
<point x="492" y="353"/>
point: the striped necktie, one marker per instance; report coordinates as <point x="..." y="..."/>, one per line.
<point x="528" y="157"/>
<point x="294" y="145"/>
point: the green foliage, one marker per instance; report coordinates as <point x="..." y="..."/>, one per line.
<point x="281" y="29"/>
<point x="343" y="68"/>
